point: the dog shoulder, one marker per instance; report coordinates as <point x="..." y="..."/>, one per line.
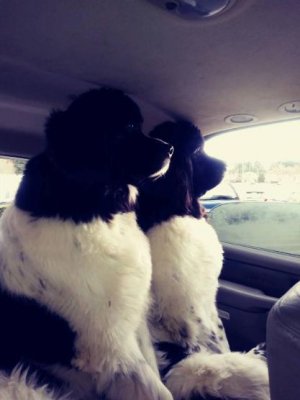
<point x="185" y="237"/>
<point x="53" y="247"/>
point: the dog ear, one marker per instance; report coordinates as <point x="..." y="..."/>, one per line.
<point x="183" y="135"/>
<point x="54" y="128"/>
<point x="60" y="138"/>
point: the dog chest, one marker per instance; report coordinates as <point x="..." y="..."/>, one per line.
<point x="187" y="260"/>
<point x="187" y="251"/>
<point x="107" y="264"/>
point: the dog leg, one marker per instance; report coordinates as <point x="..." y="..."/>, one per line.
<point x="121" y="372"/>
<point x="146" y="346"/>
<point x="231" y="375"/>
<point x="139" y="384"/>
<point x="222" y="338"/>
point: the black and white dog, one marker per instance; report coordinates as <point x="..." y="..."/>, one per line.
<point x="187" y="259"/>
<point x="75" y="268"/>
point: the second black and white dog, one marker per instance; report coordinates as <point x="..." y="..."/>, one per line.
<point x="75" y="268"/>
<point x="187" y="259"/>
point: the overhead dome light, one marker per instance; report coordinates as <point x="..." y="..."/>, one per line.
<point x="240" y="119"/>
<point x="292" y="107"/>
<point x="194" y="9"/>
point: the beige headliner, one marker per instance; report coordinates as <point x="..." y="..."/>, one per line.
<point x="245" y="61"/>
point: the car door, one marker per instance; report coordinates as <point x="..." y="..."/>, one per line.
<point x="260" y="234"/>
<point x="257" y="269"/>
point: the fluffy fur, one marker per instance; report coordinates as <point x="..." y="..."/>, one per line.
<point x="18" y="386"/>
<point x="184" y="309"/>
<point x="75" y="268"/>
<point x="187" y="260"/>
<point x="231" y="375"/>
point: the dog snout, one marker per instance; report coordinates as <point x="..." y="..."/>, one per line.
<point x="220" y="166"/>
<point x="166" y="149"/>
<point x="212" y="163"/>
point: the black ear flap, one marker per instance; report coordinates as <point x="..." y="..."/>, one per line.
<point x="183" y="135"/>
<point x="54" y="127"/>
<point x="59" y="136"/>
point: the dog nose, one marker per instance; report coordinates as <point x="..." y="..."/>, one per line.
<point x="171" y="151"/>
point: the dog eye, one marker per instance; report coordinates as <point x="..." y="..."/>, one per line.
<point x="131" y="127"/>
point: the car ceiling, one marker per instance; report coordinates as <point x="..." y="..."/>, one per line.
<point x="243" y="61"/>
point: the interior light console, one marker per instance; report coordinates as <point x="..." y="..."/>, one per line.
<point x="194" y="9"/>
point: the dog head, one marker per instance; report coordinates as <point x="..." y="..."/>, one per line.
<point x="190" y="175"/>
<point x="99" y="137"/>
<point x="201" y="171"/>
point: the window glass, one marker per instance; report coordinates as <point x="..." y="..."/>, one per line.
<point x="224" y="191"/>
<point x="273" y="226"/>
<point x="263" y="167"/>
<point x="11" y="171"/>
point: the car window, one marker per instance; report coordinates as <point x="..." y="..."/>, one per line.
<point x="270" y="226"/>
<point x="223" y="191"/>
<point x="263" y="168"/>
<point x="11" y="171"/>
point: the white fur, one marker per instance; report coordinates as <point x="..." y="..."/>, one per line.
<point x="146" y="346"/>
<point x="232" y="375"/>
<point x="133" y="194"/>
<point x="18" y="386"/>
<point x="187" y="259"/>
<point x="97" y="276"/>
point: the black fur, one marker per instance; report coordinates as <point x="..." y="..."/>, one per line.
<point x="197" y="396"/>
<point x="67" y="198"/>
<point x="94" y="150"/>
<point x="190" y="175"/>
<point x="174" y="353"/>
<point x="31" y="333"/>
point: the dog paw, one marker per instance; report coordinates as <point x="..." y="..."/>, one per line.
<point x="81" y="364"/>
<point x="230" y="375"/>
<point x="141" y="384"/>
<point x="259" y="351"/>
<point x="85" y="364"/>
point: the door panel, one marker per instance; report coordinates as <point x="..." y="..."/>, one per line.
<point x="251" y="282"/>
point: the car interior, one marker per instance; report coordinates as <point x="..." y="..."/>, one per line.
<point x="221" y="64"/>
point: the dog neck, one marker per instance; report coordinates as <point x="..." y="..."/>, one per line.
<point x="162" y="200"/>
<point x="47" y="192"/>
